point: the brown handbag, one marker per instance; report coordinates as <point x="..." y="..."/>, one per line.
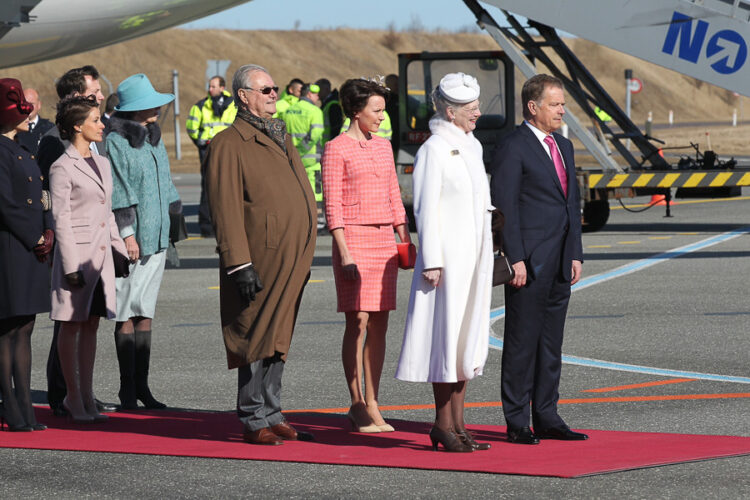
<point x="503" y="272"/>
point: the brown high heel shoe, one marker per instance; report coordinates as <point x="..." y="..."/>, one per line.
<point x="369" y="429"/>
<point x="449" y="440"/>
<point x="466" y="438"/>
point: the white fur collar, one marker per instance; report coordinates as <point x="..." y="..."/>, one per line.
<point x="455" y="136"/>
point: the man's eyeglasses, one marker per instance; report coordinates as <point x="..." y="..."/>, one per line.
<point x="264" y="90"/>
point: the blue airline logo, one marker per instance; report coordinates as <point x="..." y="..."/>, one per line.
<point x="726" y="50"/>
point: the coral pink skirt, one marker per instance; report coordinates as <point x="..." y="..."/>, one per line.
<point x="373" y="249"/>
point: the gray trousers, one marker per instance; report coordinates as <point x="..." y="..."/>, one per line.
<point x="259" y="393"/>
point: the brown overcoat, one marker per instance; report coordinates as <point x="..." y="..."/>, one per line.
<point x="263" y="211"/>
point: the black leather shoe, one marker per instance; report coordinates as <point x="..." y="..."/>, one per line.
<point x="563" y="433"/>
<point x="103" y="407"/>
<point x="522" y="436"/>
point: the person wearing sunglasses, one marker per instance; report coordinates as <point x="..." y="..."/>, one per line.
<point x="263" y="213"/>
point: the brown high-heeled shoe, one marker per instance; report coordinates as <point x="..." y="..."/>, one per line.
<point x="449" y="440"/>
<point x="468" y="439"/>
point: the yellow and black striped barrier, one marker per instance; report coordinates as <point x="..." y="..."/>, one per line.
<point x="686" y="179"/>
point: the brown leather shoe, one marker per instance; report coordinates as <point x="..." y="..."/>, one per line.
<point x="262" y="436"/>
<point x="284" y="431"/>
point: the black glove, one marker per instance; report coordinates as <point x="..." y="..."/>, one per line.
<point x="248" y="282"/>
<point x="75" y="279"/>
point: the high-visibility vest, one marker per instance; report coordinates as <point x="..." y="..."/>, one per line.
<point x="304" y="122"/>
<point x="203" y="124"/>
<point x="327" y="131"/>
<point x="603" y="116"/>
<point x="385" y="130"/>
<point x="283" y="104"/>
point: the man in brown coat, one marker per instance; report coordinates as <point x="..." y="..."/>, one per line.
<point x="263" y="212"/>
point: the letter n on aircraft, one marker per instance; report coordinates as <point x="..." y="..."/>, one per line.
<point x="690" y="46"/>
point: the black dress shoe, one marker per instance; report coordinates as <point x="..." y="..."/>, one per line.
<point x="103" y="407"/>
<point x="522" y="435"/>
<point x="563" y="433"/>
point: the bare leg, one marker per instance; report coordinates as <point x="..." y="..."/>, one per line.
<point x="351" y="358"/>
<point x="86" y="359"/>
<point x="67" y="346"/>
<point x="374" y="354"/>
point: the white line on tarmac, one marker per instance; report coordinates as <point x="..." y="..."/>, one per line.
<point x="624" y="270"/>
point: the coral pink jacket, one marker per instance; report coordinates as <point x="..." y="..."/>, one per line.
<point x="360" y="184"/>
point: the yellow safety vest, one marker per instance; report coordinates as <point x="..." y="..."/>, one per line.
<point x="202" y="124"/>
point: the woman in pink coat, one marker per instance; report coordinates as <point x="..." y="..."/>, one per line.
<point x="83" y="272"/>
<point x="363" y="207"/>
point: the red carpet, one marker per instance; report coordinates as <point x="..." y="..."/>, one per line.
<point x="217" y="435"/>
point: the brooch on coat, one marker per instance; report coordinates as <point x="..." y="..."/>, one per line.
<point x="455" y="152"/>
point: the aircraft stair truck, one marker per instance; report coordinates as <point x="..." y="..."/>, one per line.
<point x="705" y="39"/>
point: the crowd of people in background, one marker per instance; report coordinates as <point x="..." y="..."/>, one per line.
<point x="86" y="211"/>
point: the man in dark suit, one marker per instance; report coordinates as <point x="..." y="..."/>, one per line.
<point x="37" y="125"/>
<point x="534" y="185"/>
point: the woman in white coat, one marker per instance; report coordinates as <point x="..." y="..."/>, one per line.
<point x="447" y="326"/>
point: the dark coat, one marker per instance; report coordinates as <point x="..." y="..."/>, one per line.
<point x="538" y="217"/>
<point x="263" y="211"/>
<point x="24" y="281"/>
<point x="30" y="140"/>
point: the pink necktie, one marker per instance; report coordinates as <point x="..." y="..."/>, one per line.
<point x="559" y="166"/>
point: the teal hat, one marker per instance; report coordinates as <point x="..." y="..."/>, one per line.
<point x="136" y="93"/>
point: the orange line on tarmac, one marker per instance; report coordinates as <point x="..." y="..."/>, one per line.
<point x="497" y="404"/>
<point x="640" y="386"/>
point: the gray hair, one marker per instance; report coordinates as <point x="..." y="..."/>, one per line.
<point x="241" y="79"/>
<point x="442" y="104"/>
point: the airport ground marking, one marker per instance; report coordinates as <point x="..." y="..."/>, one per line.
<point x="624" y="270"/>
<point x="635" y="242"/>
<point x="567" y="401"/>
<point x="685" y="202"/>
<point x="641" y="385"/>
<point x="599" y="246"/>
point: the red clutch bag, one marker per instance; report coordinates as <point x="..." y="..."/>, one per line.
<point x="407" y="255"/>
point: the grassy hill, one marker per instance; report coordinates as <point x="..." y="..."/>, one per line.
<point x="343" y="53"/>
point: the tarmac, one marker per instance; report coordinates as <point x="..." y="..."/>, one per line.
<point x="658" y="294"/>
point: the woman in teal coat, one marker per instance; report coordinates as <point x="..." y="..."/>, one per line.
<point x="142" y="198"/>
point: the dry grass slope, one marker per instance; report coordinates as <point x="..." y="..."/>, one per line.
<point x="343" y="53"/>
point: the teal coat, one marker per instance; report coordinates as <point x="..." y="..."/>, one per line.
<point x="141" y="179"/>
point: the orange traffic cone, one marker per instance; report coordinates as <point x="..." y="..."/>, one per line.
<point x="660" y="200"/>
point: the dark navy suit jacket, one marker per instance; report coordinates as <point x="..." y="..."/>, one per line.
<point x="539" y="221"/>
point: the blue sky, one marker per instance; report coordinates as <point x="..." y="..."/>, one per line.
<point x="321" y="14"/>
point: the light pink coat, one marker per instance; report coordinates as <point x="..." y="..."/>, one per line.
<point x="86" y="234"/>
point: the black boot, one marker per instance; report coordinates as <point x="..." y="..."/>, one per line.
<point x="142" y="358"/>
<point x="125" y="343"/>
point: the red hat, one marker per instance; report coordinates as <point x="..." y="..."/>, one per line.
<point x="14" y="107"/>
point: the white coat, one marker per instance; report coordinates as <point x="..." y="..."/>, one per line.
<point x="446" y="337"/>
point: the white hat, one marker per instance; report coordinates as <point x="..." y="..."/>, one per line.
<point x="459" y="88"/>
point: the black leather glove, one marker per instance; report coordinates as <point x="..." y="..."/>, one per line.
<point x="75" y="279"/>
<point x="248" y="282"/>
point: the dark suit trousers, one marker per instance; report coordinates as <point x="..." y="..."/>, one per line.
<point x="204" y="214"/>
<point x="259" y="393"/>
<point x="532" y="348"/>
<point x="56" y="389"/>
